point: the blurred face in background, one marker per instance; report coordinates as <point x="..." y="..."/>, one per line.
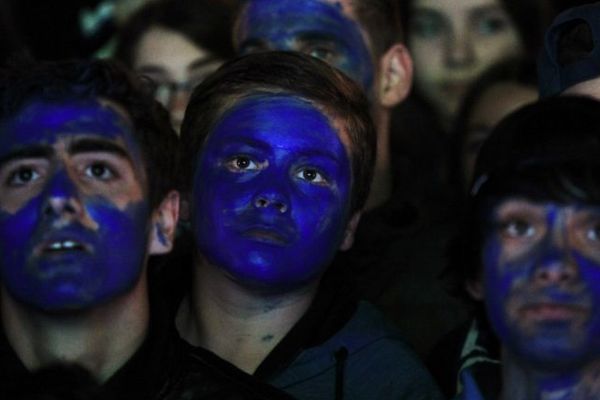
<point x="174" y="66"/>
<point x="495" y="103"/>
<point x="452" y="43"/>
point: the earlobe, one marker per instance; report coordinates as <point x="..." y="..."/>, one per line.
<point x="396" y="71"/>
<point x="164" y="224"/>
<point x="349" y="232"/>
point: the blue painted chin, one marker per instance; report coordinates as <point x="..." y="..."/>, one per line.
<point x="65" y="242"/>
<point x="314" y="27"/>
<point x="271" y="193"/>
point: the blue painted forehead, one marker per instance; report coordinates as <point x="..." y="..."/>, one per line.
<point x="78" y="114"/>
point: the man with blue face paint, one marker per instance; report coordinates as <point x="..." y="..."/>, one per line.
<point x="531" y="250"/>
<point x="81" y="209"/>
<point x="363" y="39"/>
<point x="278" y="171"/>
<point x="88" y="173"/>
<point x="359" y="37"/>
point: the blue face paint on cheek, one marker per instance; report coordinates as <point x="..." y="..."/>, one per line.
<point x="520" y="286"/>
<point x="64" y="249"/>
<point x="314" y="27"/>
<point x="272" y="192"/>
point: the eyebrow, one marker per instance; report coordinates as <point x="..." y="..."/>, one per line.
<point x="28" y="152"/>
<point x="98" y="145"/>
<point x="484" y="9"/>
<point x="317" y="36"/>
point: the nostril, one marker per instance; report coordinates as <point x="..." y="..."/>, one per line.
<point x="260" y="202"/>
<point x="281" y="207"/>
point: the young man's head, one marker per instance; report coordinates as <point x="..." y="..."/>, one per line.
<point x="569" y="62"/>
<point x="534" y="228"/>
<point x="360" y="37"/>
<point x="279" y="151"/>
<point x="86" y="168"/>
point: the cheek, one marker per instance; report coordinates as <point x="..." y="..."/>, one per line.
<point x="16" y="229"/>
<point x="492" y="50"/>
<point x="427" y="55"/>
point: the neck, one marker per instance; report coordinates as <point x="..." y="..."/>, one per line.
<point x="255" y="321"/>
<point x="522" y="382"/>
<point x="100" y="340"/>
<point x="381" y="186"/>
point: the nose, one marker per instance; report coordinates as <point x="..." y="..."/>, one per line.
<point x="178" y="103"/>
<point x="556" y="273"/>
<point x="459" y="49"/>
<point x="271" y="199"/>
<point x="61" y="197"/>
<point x="557" y="266"/>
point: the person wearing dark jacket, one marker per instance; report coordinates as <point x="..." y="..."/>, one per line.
<point x="278" y="152"/>
<point x="88" y="175"/>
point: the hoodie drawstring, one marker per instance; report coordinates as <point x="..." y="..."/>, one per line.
<point x="341" y="355"/>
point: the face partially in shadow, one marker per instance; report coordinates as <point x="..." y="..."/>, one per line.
<point x="542" y="281"/>
<point x="453" y="42"/>
<point x="324" y="29"/>
<point x="271" y="194"/>
<point x="175" y="66"/>
<point x="74" y="218"/>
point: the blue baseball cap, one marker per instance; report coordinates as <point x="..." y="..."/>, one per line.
<point x="554" y="76"/>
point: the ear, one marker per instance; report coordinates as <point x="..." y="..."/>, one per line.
<point x="475" y="289"/>
<point x="164" y="224"/>
<point x="396" y="74"/>
<point x="349" y="232"/>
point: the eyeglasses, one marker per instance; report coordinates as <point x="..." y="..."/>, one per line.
<point x="165" y="91"/>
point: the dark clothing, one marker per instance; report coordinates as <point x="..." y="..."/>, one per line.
<point x="468" y="356"/>
<point x="341" y="349"/>
<point x="165" y="367"/>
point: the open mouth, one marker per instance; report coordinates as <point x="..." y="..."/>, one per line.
<point x="61" y="247"/>
<point x="266" y="236"/>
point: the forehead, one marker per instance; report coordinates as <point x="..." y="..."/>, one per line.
<point x="323" y="15"/>
<point x="41" y="122"/>
<point x="167" y="48"/>
<point x="275" y="118"/>
<point x="454" y="7"/>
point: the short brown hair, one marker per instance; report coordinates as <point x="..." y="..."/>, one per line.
<point x="284" y="73"/>
<point x="381" y="19"/>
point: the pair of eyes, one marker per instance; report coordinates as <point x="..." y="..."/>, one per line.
<point x="241" y="164"/>
<point x="26" y="174"/>
<point x="326" y="51"/>
<point x="521" y="229"/>
<point x="434" y="25"/>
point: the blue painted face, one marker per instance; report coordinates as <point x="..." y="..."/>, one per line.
<point x="320" y="28"/>
<point x="74" y="221"/>
<point x="271" y="193"/>
<point x="542" y="281"/>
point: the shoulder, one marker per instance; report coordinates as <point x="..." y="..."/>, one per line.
<point x="368" y="355"/>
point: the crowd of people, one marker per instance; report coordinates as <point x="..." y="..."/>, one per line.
<point x="309" y="199"/>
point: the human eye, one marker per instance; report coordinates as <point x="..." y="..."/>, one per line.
<point x="593" y="233"/>
<point x="100" y="171"/>
<point x="517" y="229"/>
<point x="322" y="51"/>
<point x="427" y="25"/>
<point x="22" y="176"/>
<point x="311" y="175"/>
<point x="491" y="24"/>
<point x="242" y="163"/>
